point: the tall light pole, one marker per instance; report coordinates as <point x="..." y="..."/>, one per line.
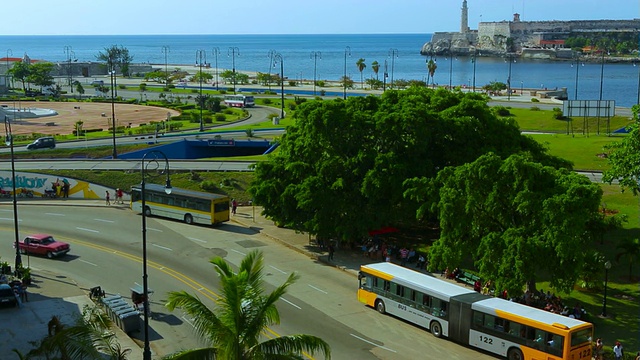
<point x="216" y="52"/>
<point x="607" y="266"/>
<point x="7" y="72"/>
<point x="386" y="74"/>
<point x="635" y="63"/>
<point x="201" y="58"/>
<point x="233" y="51"/>
<point x="156" y="155"/>
<point x="9" y="142"/>
<point x="601" y="74"/>
<point x="277" y="58"/>
<point x="577" y="65"/>
<point x="270" y="55"/>
<point x="69" y="52"/>
<point x="166" y="50"/>
<point x="393" y="53"/>
<point x="347" y="52"/>
<point x="315" y="55"/>
<point x="475" y="60"/>
<point x="511" y="60"/>
<point x="450" y="65"/>
<point x="112" y="76"/>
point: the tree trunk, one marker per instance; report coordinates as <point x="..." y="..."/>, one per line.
<point x="531" y="286"/>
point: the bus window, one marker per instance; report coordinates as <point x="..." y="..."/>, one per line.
<point x="397" y="289"/>
<point x="499" y="325"/>
<point x="515" y="329"/>
<point x="438" y="308"/>
<point x="555" y="344"/>
<point x="489" y="321"/>
<point x="477" y="318"/>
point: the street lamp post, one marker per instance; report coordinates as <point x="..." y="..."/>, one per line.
<point x="636" y="64"/>
<point x="201" y="58"/>
<point x="577" y="59"/>
<point x="601" y="75"/>
<point x="475" y="60"/>
<point x="270" y="55"/>
<point x="157" y="155"/>
<point x="9" y="142"/>
<point x="386" y="74"/>
<point x="216" y="51"/>
<point x="69" y="52"/>
<point x="347" y="52"/>
<point x="393" y="53"/>
<point x="112" y="75"/>
<point x="315" y="55"/>
<point x="607" y="266"/>
<point x="9" y="52"/>
<point x="450" y="64"/>
<point x="277" y="58"/>
<point x="165" y="51"/>
<point x="511" y="60"/>
<point x="233" y="50"/>
<point x="521" y="87"/>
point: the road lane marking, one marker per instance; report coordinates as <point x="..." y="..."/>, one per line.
<point x="55" y="214"/>
<point x="162" y="247"/>
<point x="90" y="263"/>
<point x="6" y="210"/>
<point x="194" y="239"/>
<point x="372" y="343"/>
<point x="89" y="230"/>
<point x="239" y="252"/>
<point x="105" y="220"/>
<point x="152" y="229"/>
<point x="313" y="287"/>
<point x="10" y="219"/>
<point x="271" y="266"/>
<point x="290" y="303"/>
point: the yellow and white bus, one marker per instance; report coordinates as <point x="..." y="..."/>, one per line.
<point x="502" y="327"/>
<point x="192" y="207"/>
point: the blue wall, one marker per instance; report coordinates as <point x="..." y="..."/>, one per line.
<point x="206" y="148"/>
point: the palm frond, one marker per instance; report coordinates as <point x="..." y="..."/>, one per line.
<point x="293" y="345"/>
<point x="194" y="354"/>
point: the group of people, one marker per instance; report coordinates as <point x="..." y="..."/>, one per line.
<point x="375" y="249"/>
<point x="118" y="197"/>
<point x="19" y="288"/>
<point x="60" y="188"/>
<point x="618" y="351"/>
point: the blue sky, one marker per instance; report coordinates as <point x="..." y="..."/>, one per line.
<point x="138" y="17"/>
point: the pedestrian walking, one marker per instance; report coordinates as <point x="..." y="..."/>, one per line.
<point x="618" y="351"/>
<point x="234" y="206"/>
<point x="119" y="195"/>
<point x="331" y="251"/>
<point x="107" y="198"/>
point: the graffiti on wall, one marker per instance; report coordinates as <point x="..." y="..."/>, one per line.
<point x="40" y="185"/>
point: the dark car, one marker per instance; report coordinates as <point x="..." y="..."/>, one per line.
<point x="43" y="244"/>
<point x="7" y="296"/>
<point x="43" y="143"/>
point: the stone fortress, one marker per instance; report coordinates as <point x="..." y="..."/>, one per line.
<point x="528" y="39"/>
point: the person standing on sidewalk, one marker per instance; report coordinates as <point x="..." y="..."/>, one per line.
<point x="107" y="198"/>
<point x="331" y="251"/>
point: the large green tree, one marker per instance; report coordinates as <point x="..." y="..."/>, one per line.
<point x="242" y="313"/>
<point x="116" y="57"/>
<point x="339" y="169"/>
<point x="20" y="71"/>
<point x="515" y="219"/>
<point x="40" y="74"/>
<point x="431" y="68"/>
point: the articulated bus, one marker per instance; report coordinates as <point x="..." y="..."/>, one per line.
<point x="509" y="329"/>
<point x="185" y="205"/>
<point x="239" y="100"/>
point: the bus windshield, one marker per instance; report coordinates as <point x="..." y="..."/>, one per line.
<point x="580" y="337"/>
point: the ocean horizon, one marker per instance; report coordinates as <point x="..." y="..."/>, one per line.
<point x="323" y="57"/>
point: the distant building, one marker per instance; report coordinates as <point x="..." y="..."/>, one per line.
<point x="536" y="39"/>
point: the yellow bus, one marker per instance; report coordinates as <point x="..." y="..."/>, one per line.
<point x="192" y="207"/>
<point x="505" y="328"/>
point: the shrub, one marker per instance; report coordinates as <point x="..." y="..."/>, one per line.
<point x="323" y="93"/>
<point x="320" y="83"/>
<point x="501" y="110"/>
<point x="292" y="83"/>
<point x="220" y="117"/>
<point x="249" y="132"/>
<point x="557" y="114"/>
<point x="534" y="108"/>
<point x="534" y="100"/>
<point x="209" y="185"/>
<point x="207" y="119"/>
<point x="266" y="101"/>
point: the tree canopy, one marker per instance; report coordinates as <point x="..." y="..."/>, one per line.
<point x="116" y="57"/>
<point x="624" y="158"/>
<point x="515" y="219"/>
<point x="339" y="170"/>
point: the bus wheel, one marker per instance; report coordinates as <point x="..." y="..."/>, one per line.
<point x="380" y="307"/>
<point x="515" y="354"/>
<point x="188" y="219"/>
<point x="436" y="329"/>
<point x="147" y="211"/>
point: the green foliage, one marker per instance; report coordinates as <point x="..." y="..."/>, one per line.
<point x="534" y="108"/>
<point x="220" y="117"/>
<point x="249" y="132"/>
<point x="233" y="329"/>
<point x="522" y="211"/>
<point x="624" y="158"/>
<point x="501" y="111"/>
<point x="267" y="101"/>
<point x="535" y="100"/>
<point x="557" y="114"/>
<point x="320" y="83"/>
<point x="209" y="186"/>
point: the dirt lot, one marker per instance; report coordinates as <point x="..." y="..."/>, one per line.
<point x="94" y="116"/>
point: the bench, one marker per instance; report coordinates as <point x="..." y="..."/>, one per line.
<point x="467" y="278"/>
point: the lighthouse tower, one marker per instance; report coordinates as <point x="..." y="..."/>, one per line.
<point x="464" y="18"/>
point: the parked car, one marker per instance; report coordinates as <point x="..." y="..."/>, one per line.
<point x="43" y="244"/>
<point x="7" y="296"/>
<point x="42" y="143"/>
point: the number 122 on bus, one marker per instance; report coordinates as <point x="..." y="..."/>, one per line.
<point x="505" y="328"/>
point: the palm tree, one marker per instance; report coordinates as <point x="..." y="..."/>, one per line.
<point x="361" y="66"/>
<point x="88" y="338"/>
<point x="375" y="66"/>
<point x="431" y="67"/>
<point x="241" y="314"/>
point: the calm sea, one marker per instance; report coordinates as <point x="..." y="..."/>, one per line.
<point x="400" y="51"/>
